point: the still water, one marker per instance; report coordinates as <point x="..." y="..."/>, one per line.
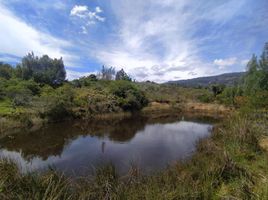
<point x="76" y="148"/>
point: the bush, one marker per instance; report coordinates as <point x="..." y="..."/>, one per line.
<point x="227" y="96"/>
<point x="259" y="100"/>
<point x="58" y="112"/>
<point x="206" y="98"/>
<point x="57" y="103"/>
<point x="130" y="97"/>
<point x="102" y="103"/>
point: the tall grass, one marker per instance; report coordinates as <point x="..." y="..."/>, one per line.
<point x="228" y="165"/>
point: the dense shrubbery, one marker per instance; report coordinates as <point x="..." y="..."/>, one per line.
<point x="37" y="88"/>
<point x="130" y="97"/>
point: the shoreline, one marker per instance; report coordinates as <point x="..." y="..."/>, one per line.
<point x="221" y="166"/>
<point x="31" y="122"/>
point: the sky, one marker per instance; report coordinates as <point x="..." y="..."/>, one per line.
<point x="156" y="40"/>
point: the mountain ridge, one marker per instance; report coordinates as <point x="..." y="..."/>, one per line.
<point x="228" y="79"/>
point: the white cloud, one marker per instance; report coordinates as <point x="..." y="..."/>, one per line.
<point x="157" y="33"/>
<point x="71" y="75"/>
<point x="223" y="63"/>
<point x="161" y="33"/>
<point x="84" y="30"/>
<point x="98" y="9"/>
<point x="19" y="38"/>
<point x="79" y="11"/>
<point x="88" y="17"/>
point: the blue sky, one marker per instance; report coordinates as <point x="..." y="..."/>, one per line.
<point x="156" y="40"/>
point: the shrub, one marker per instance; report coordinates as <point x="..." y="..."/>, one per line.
<point x="102" y="103"/>
<point x="130" y="97"/>
<point x="259" y="100"/>
<point x="58" y="112"/>
<point x="206" y="98"/>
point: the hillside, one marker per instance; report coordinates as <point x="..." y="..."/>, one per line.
<point x="226" y="79"/>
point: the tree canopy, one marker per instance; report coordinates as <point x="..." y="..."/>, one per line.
<point x="43" y="69"/>
<point x="256" y="78"/>
<point x="122" y="75"/>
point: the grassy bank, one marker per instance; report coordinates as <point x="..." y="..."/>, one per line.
<point x="231" y="164"/>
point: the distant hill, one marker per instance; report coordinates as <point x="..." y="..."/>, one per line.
<point x="226" y="79"/>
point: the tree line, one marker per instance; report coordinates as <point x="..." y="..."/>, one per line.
<point x="251" y="90"/>
<point x="50" y="71"/>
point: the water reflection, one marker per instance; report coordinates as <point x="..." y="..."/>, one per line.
<point x="149" y="143"/>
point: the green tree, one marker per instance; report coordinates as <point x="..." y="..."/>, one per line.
<point x="122" y="75"/>
<point x="263" y="63"/>
<point x="251" y="79"/>
<point x="256" y="79"/>
<point x="43" y="70"/>
<point x="107" y="73"/>
<point x="6" y="70"/>
<point x="217" y="89"/>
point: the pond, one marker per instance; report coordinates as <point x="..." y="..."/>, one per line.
<point x="75" y="148"/>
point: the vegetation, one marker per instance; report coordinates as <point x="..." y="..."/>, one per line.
<point x="35" y="92"/>
<point x="231" y="164"/>
<point x="122" y="75"/>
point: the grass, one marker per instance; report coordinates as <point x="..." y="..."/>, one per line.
<point x="6" y="107"/>
<point x="231" y="164"/>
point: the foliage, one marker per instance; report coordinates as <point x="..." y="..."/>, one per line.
<point x="85" y="81"/>
<point x="228" y="96"/>
<point x="256" y="79"/>
<point x="130" y="98"/>
<point x="57" y="103"/>
<point x="122" y="75"/>
<point x="217" y="89"/>
<point x="6" y="71"/>
<point x="43" y="69"/>
<point x="107" y="73"/>
<point x="206" y="98"/>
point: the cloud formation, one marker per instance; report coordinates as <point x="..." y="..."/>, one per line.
<point x="88" y="17"/>
<point x="152" y="40"/>
<point x="160" y="37"/>
<point x="18" y="38"/>
<point x="222" y="63"/>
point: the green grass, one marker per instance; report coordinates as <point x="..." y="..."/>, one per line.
<point x="6" y="107"/>
<point x="228" y="165"/>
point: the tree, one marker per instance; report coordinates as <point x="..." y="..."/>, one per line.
<point x="107" y="73"/>
<point x="251" y="79"/>
<point x="122" y="75"/>
<point x="6" y="71"/>
<point x="264" y="68"/>
<point x="264" y="58"/>
<point x="92" y="77"/>
<point x="256" y="79"/>
<point x="217" y="89"/>
<point x="43" y="70"/>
